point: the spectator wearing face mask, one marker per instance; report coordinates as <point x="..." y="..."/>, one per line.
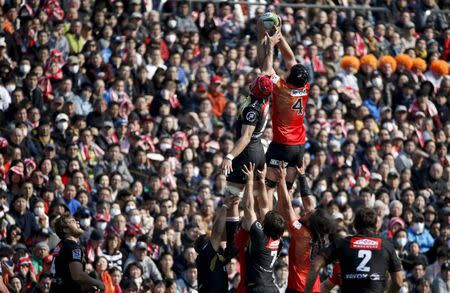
<point x="418" y="233"/>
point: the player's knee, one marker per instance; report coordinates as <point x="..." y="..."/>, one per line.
<point x="289" y="185"/>
<point x="270" y="183"/>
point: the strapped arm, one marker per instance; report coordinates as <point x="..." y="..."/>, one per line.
<point x="218" y="227"/>
<point x="284" y="200"/>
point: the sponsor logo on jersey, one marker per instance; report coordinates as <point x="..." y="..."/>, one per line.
<point x="368" y="243"/>
<point x="76" y="254"/>
<point x="355" y="276"/>
<point x="298" y="93"/>
<point x="375" y="277"/>
<point x="251" y="116"/>
<point x="297" y="225"/>
<point x="273" y="244"/>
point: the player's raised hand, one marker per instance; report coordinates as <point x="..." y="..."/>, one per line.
<point x="301" y="170"/>
<point x="262" y="173"/>
<point x="275" y="38"/>
<point x="249" y="171"/>
<point x="227" y="166"/>
<point x="230" y="200"/>
<point x="282" y="171"/>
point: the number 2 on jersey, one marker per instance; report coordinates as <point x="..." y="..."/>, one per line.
<point x="366" y="255"/>
<point x="298" y="106"/>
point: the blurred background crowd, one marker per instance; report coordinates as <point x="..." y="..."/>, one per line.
<point x="121" y="112"/>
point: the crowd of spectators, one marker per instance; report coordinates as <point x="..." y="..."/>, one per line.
<point x="121" y="112"/>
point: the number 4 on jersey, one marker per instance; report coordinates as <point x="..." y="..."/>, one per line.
<point x="298" y="105"/>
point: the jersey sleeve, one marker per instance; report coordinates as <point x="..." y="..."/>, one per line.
<point x="250" y="116"/>
<point x="74" y="253"/>
<point x="295" y="227"/>
<point x="394" y="262"/>
<point x="206" y="249"/>
<point x="257" y="234"/>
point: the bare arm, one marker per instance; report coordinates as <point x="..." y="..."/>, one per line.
<point x="396" y="281"/>
<point x="287" y="53"/>
<point x="246" y="135"/>
<point x="248" y="200"/>
<point x="326" y="286"/>
<point x="316" y="265"/>
<point x="264" y="202"/>
<point x="261" y="42"/>
<point x="284" y="197"/>
<point x="81" y="277"/>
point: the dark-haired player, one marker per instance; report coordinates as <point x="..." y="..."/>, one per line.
<point x="69" y="259"/>
<point x="308" y="234"/>
<point x="265" y="240"/>
<point x="364" y="258"/>
<point x="289" y="100"/>
<point x="212" y="276"/>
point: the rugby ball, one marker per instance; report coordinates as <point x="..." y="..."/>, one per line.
<point x="270" y="20"/>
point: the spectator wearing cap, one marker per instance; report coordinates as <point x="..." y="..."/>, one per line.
<point x="365" y="74"/>
<point x="60" y="134"/>
<point x="40" y="251"/>
<point x="84" y="217"/>
<point x="150" y="270"/>
<point x="23" y="217"/>
<point x="418" y="233"/>
<point x="216" y="96"/>
<point x="442" y="281"/>
<point x="106" y="136"/>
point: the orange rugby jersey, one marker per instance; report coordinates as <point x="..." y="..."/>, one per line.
<point x="300" y="257"/>
<point x="288" y="112"/>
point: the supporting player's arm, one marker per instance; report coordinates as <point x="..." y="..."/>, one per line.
<point x="248" y="200"/>
<point x="261" y="42"/>
<point x="264" y="203"/>
<point x="81" y="277"/>
<point x="396" y="281"/>
<point x="284" y="199"/>
<point x="241" y="144"/>
<point x="309" y="203"/>
<point x="287" y="53"/>
<point x="219" y="222"/>
<point x="316" y="265"/>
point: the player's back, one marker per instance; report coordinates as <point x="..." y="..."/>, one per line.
<point x="261" y="254"/>
<point x="300" y="257"/>
<point x="288" y="112"/>
<point x="364" y="261"/>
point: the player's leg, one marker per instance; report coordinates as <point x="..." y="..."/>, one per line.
<point x="272" y="163"/>
<point x="297" y="153"/>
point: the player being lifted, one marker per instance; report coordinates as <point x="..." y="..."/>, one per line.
<point x="308" y="234"/>
<point x="289" y="99"/>
<point x="265" y="239"/>
<point x="364" y="258"/>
